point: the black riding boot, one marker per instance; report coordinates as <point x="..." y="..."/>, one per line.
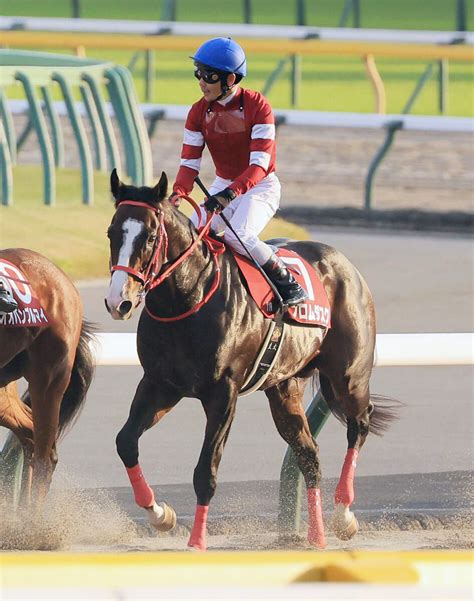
<point x="289" y="289"/>
<point x="7" y="302"/>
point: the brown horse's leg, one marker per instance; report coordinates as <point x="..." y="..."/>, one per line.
<point x="149" y="405"/>
<point x="345" y="366"/>
<point x="220" y="410"/>
<point x="290" y="419"/>
<point x="17" y="417"/>
<point x="48" y="380"/>
<point x="355" y="401"/>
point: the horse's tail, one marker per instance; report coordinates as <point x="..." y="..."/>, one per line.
<point x="385" y="411"/>
<point x="81" y="378"/>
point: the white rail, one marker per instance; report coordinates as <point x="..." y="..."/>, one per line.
<point x="391" y="349"/>
<point x="241" y="30"/>
<point x="294" y="117"/>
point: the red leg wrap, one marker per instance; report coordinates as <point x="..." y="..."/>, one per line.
<point x="315" y="513"/>
<point x="345" y="487"/>
<point x="144" y="496"/>
<point x="198" y="533"/>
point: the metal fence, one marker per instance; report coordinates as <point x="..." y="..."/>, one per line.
<point x="37" y="73"/>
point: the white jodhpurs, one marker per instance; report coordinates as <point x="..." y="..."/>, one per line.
<point x="248" y="214"/>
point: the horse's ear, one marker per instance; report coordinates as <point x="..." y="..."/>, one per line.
<point x="161" y="188"/>
<point x="115" y="183"/>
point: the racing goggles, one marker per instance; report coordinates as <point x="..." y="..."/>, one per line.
<point x="206" y="75"/>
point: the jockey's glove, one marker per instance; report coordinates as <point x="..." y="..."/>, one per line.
<point x="217" y="202"/>
<point x="175" y="197"/>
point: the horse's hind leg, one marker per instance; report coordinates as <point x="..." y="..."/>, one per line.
<point x="290" y="419"/>
<point x="355" y="401"/>
<point x="46" y="393"/>
<point x="148" y="407"/>
<point x="17" y="417"/>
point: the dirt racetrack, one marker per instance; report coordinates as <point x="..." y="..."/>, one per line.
<point x="243" y="517"/>
<point x="94" y="521"/>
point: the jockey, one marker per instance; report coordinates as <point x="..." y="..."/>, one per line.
<point x="238" y="127"/>
<point x="7" y="303"/>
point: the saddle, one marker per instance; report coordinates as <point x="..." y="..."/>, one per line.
<point x="314" y="311"/>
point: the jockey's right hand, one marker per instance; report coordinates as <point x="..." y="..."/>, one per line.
<point x="219" y="201"/>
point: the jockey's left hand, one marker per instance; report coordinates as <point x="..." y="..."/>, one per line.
<point x="217" y="202"/>
<point x="175" y="197"/>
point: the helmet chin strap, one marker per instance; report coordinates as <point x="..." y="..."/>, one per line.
<point x="224" y="87"/>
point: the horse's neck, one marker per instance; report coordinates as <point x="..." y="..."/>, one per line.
<point x="185" y="286"/>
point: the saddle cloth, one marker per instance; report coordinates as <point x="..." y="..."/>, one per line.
<point x="314" y="311"/>
<point x="30" y="313"/>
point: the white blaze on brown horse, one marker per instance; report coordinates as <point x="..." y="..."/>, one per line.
<point x="45" y="341"/>
<point x="191" y="348"/>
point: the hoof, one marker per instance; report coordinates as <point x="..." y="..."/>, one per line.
<point x="345" y="524"/>
<point x="165" y="522"/>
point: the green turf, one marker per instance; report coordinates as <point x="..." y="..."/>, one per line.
<point x="70" y="234"/>
<point x="395" y="14"/>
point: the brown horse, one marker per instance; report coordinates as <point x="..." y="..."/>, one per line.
<point x="53" y="356"/>
<point x="191" y="348"/>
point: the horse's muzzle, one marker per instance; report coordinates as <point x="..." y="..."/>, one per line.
<point x="122" y="311"/>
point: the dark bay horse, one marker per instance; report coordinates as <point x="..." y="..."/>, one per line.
<point x="55" y="359"/>
<point x="193" y="342"/>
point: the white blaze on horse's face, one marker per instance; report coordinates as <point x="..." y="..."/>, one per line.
<point x="120" y="300"/>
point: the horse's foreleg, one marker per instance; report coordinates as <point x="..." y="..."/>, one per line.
<point x="148" y="407"/>
<point x="220" y="411"/>
<point x="290" y="419"/>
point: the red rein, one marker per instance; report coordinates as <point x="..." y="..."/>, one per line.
<point x="150" y="278"/>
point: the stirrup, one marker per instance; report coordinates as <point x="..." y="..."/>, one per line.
<point x="296" y="299"/>
<point x="295" y="294"/>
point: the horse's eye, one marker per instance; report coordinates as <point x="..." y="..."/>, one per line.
<point x="151" y="238"/>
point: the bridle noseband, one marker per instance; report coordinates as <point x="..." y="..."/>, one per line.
<point x="150" y="278"/>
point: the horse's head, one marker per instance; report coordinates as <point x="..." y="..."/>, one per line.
<point x="137" y="243"/>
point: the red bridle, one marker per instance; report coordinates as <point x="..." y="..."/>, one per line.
<point x="150" y="278"/>
<point x="149" y="274"/>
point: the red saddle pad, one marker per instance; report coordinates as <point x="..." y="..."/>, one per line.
<point x="314" y="311"/>
<point x="30" y="313"/>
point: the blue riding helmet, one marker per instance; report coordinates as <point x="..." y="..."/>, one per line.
<point x="222" y="54"/>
